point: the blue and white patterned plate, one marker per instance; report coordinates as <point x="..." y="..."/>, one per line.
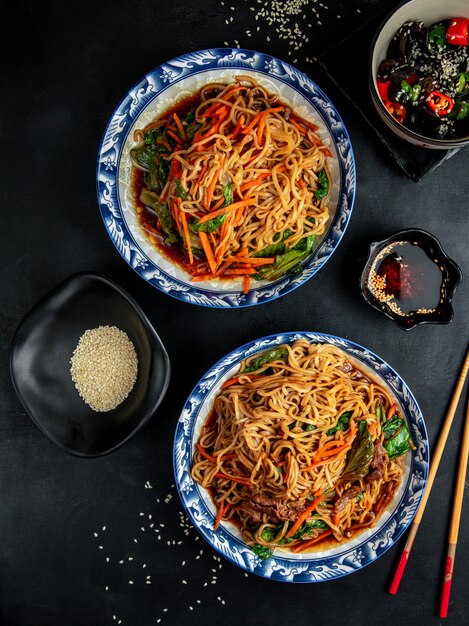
<point x="286" y="566"/>
<point x="158" y="92"/>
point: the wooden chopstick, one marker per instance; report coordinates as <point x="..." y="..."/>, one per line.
<point x="440" y="446"/>
<point x="455" y="518"/>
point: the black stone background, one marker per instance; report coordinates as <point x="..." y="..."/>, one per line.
<point x="65" y="66"/>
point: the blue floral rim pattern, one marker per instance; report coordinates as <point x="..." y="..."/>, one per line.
<point x="344" y="560"/>
<point x="154" y="86"/>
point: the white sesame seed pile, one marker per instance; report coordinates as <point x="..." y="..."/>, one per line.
<point x="104" y="367"/>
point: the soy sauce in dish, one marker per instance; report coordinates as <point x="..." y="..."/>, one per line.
<point x="406" y="280"/>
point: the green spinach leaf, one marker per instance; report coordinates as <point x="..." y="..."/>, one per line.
<point x="360" y="455"/>
<point x="262" y="551"/>
<point x="276" y="354"/>
<point x="342" y="423"/>
<point x="322" y="185"/>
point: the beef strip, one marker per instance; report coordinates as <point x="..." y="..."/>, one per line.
<point x="377" y="463"/>
<point x="276" y="511"/>
<point x="346" y="498"/>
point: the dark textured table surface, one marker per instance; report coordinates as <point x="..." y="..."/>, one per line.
<point x="75" y="532"/>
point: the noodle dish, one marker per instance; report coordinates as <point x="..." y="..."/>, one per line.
<point x="226" y="178"/>
<point x="307" y="450"/>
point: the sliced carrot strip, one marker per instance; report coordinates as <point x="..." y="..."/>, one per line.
<point x="180" y="126"/>
<point x="208" y="251"/>
<point x="235" y="479"/>
<point x="246" y="284"/>
<point x="306" y="544"/>
<point x="182" y="216"/>
<point x="227" y="209"/>
<point x="306" y="513"/>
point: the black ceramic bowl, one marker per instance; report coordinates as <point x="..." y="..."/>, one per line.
<point x="451" y="276"/>
<point x="430" y="12"/>
<point x="40" y="365"/>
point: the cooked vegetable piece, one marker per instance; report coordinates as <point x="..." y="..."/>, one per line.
<point x="276" y="248"/>
<point x="397" y="439"/>
<point x="458" y="32"/>
<point x="323" y="185"/>
<point x="342" y="423"/>
<point x="440" y="103"/>
<point x="208" y="227"/>
<point x="287" y="261"/>
<point x="262" y="551"/>
<point x="180" y="191"/>
<point x="167" y="223"/>
<point x="360" y="455"/>
<point x="437" y="36"/>
<point x="277" y="354"/>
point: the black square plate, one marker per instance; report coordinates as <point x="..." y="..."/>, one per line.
<point x="40" y="365"/>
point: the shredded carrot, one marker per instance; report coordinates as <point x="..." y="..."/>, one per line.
<point x="246" y="284"/>
<point x="258" y="117"/>
<point x="255" y="181"/>
<point x="227" y="209"/>
<point x="199" y="180"/>
<point x="218" y="204"/>
<point x="165" y="144"/>
<point x="260" y="128"/>
<point x="251" y="261"/>
<point x="183" y="219"/>
<point x="239" y="271"/>
<point x="211" y="187"/>
<point x="306" y="544"/>
<point x="205" y="454"/>
<point x="221" y="510"/>
<point x="180" y="126"/>
<point x="306" y="513"/>
<point x="327" y="152"/>
<point x="177" y="139"/>
<point x="235" y="479"/>
<point x="391" y="411"/>
<point x="301" y="183"/>
<point x="201" y="277"/>
<point x="297" y="126"/>
<point x="311" y="125"/>
<point x="239" y="126"/>
<point x="336" y="520"/>
<point x="232" y="90"/>
<point x="208" y="251"/>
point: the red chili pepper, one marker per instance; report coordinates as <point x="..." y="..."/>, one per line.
<point x="440" y="103"/>
<point x="398" y="111"/>
<point x="383" y="86"/>
<point x="458" y="32"/>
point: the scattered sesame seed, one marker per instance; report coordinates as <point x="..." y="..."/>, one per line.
<point x="131" y="582"/>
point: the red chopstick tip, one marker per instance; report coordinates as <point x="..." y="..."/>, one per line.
<point x="446" y="591"/>
<point x="399" y="572"/>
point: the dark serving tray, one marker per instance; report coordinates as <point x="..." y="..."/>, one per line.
<point x="347" y="66"/>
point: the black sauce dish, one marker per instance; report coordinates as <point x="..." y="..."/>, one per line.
<point x="426" y="260"/>
<point x="40" y="356"/>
